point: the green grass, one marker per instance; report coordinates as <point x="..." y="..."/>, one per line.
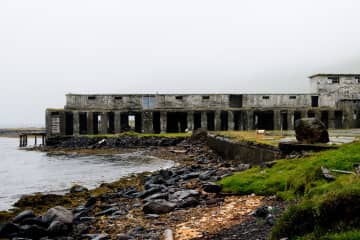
<point x="322" y="207"/>
<point x="135" y="134"/>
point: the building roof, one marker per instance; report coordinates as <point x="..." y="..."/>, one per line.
<point x="335" y="75"/>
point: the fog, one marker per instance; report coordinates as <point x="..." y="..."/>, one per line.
<point x="50" y="48"/>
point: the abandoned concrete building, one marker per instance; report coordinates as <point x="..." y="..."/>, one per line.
<point x="334" y="99"/>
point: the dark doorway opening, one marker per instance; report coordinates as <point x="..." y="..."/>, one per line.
<point x="224" y="118"/>
<point x="138" y="122"/>
<point x="284" y="122"/>
<point x="69" y="123"/>
<point x="156" y="122"/>
<point x="264" y="120"/>
<point x="311" y="114"/>
<point x="111" y="123"/>
<point x="314" y="101"/>
<point x="83" y="123"/>
<point x="297" y="116"/>
<point x="338" y="119"/>
<point x="237" y="120"/>
<point x="176" y="122"/>
<point x="325" y="118"/>
<point x="124" y="120"/>
<point x="197" y="120"/>
<point x="210" y="121"/>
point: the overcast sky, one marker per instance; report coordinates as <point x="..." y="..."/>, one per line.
<point x="49" y="48"/>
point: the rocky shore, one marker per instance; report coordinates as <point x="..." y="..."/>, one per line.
<point x="183" y="201"/>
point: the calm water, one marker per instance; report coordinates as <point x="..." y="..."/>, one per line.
<point x="25" y="172"/>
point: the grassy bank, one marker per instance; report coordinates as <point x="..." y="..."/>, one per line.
<point x="324" y="207"/>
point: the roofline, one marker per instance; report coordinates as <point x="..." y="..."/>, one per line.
<point x="182" y="94"/>
<point x="335" y="75"/>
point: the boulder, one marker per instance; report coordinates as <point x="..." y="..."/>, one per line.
<point x="188" y="203"/>
<point x="199" y="135"/>
<point x="181" y="195"/>
<point x="311" y="130"/>
<point x="212" y="188"/>
<point x="24" y="215"/>
<point x="158" y="206"/>
<point x="32" y="231"/>
<point x="57" y="228"/>
<point x="8" y="229"/>
<point x="60" y="214"/>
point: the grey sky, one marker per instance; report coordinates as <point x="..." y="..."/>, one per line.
<point x="49" y="48"/>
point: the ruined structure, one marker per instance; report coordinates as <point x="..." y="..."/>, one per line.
<point x="334" y="99"/>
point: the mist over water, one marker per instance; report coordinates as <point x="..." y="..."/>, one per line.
<point x="26" y="172"/>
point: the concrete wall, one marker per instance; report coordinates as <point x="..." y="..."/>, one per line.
<point x="330" y="93"/>
<point x="244" y="152"/>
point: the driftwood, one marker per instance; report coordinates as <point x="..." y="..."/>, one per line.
<point x="327" y="174"/>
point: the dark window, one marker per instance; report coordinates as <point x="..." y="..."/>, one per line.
<point x="292" y="97"/>
<point x="334" y="80"/>
<point x="55" y="114"/>
<point x="357" y="79"/>
<point x="179" y="97"/>
<point x="91" y="97"/>
<point x="118" y="98"/>
<point x="206" y="97"/>
<point x="236" y="101"/>
<point x="314" y="101"/>
<point x="265" y="97"/>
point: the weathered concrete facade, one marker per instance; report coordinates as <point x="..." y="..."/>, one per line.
<point x="334" y="98"/>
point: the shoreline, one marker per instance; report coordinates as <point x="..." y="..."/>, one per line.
<point x="132" y="203"/>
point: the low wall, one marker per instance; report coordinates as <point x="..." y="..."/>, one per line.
<point x="245" y="152"/>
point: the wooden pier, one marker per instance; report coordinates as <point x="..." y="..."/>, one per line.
<point x="23" y="138"/>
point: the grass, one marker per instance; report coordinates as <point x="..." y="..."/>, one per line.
<point x="135" y="134"/>
<point x="322" y="206"/>
<point x="270" y="138"/>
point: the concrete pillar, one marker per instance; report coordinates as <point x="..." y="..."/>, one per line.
<point x="163" y="122"/>
<point x="317" y="114"/>
<point x="249" y="120"/>
<point x="277" y="120"/>
<point x="231" y="123"/>
<point x="304" y="113"/>
<point x="104" y="123"/>
<point x="217" y="121"/>
<point x="190" y="121"/>
<point x="147" y="122"/>
<point x="204" y="120"/>
<point x="331" y="119"/>
<point x="90" y="122"/>
<point x="76" y="123"/>
<point x="117" y="119"/>
<point x="347" y="118"/>
<point x="290" y="120"/>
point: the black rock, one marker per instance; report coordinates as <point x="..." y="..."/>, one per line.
<point x="123" y="237"/>
<point x="150" y="192"/>
<point x="206" y="175"/>
<point x="158" y="206"/>
<point x="78" y="189"/>
<point x="212" y="188"/>
<point x="261" y="212"/>
<point x="8" y="229"/>
<point x="181" y="195"/>
<point x="188" y="202"/>
<point x="35" y="221"/>
<point x="32" y="231"/>
<point x="190" y="176"/>
<point x="90" y="202"/>
<point x="157" y="196"/>
<point x="107" y="212"/>
<point x="57" y="228"/>
<point x="24" y="215"/>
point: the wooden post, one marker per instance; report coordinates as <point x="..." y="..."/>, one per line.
<point x="35" y="140"/>
<point x="20" y="138"/>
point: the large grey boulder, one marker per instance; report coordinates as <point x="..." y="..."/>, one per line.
<point x="311" y="130"/>
<point x="158" y="206"/>
<point x="59" y="214"/>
